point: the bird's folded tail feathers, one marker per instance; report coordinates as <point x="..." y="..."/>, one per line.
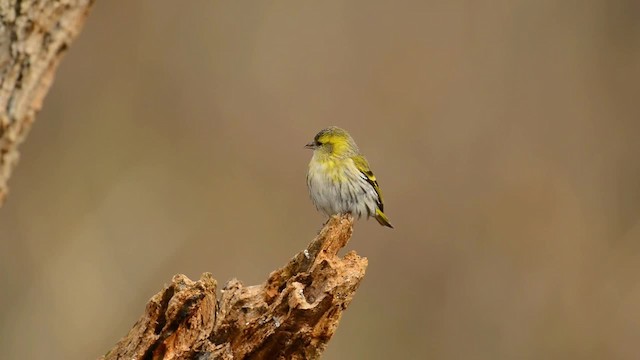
<point x="382" y="218"/>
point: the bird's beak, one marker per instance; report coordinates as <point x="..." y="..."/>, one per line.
<point x="310" y="145"/>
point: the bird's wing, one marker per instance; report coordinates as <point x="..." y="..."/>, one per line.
<point x="363" y="166"/>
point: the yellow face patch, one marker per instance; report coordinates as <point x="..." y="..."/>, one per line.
<point x="335" y="144"/>
<point x="329" y="138"/>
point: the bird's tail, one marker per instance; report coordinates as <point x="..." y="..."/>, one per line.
<point x="382" y="218"/>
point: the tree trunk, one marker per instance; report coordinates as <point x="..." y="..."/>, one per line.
<point x="292" y="315"/>
<point x="33" y="37"/>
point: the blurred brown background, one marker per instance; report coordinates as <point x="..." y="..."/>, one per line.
<point x="504" y="134"/>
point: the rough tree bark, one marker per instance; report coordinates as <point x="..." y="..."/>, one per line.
<point x="292" y="315"/>
<point x="33" y="37"/>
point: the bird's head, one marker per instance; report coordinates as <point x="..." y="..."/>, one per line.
<point x="333" y="141"/>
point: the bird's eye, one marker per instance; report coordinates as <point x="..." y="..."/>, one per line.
<point x="316" y="142"/>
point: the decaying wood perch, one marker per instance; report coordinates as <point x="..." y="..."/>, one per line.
<point x="33" y="37"/>
<point x="290" y="316"/>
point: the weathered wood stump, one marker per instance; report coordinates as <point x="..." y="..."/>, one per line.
<point x="292" y="315"/>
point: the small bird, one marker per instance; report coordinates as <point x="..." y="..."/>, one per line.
<point x="339" y="178"/>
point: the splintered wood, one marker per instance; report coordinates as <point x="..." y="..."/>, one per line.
<point x="291" y="316"/>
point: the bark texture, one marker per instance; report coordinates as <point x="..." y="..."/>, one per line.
<point x="292" y="315"/>
<point x="33" y="37"/>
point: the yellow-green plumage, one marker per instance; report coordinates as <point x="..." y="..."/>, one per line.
<point x="340" y="179"/>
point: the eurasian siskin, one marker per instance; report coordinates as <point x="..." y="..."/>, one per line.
<point x="339" y="178"/>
